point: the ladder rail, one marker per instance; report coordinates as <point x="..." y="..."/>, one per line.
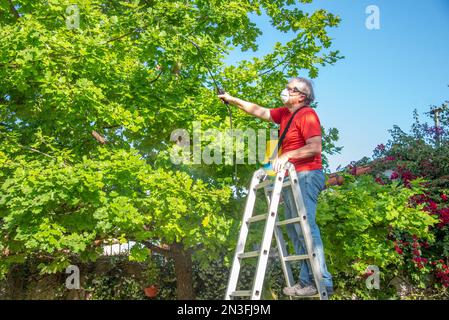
<point x="256" y="291"/>
<point x="244" y="229"/>
<point x="295" y="220"/>
<point x="307" y="235"/>
<point x="280" y="243"/>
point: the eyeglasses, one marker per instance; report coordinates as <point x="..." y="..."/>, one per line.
<point x="296" y="90"/>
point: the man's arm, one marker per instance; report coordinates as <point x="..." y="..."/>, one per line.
<point x="248" y="107"/>
<point x="312" y="148"/>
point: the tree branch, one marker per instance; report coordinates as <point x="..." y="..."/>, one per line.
<point x="164" y="249"/>
<point x="157" y="78"/>
<point x="37" y="151"/>
<point x="98" y="137"/>
<point x="34" y="150"/>
<point x="273" y="68"/>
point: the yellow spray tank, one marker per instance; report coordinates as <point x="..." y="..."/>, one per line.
<point x="269" y="150"/>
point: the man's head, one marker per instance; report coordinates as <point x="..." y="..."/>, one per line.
<point x="300" y="91"/>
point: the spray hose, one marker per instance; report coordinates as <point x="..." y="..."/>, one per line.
<point x="220" y="91"/>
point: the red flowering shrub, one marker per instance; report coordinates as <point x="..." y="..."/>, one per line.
<point x="407" y="157"/>
<point x="442" y="272"/>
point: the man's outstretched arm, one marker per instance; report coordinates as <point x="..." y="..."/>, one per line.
<point x="249" y="107"/>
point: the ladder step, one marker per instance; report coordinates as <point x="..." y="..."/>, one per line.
<point x="288" y="221"/>
<point x="259" y="217"/>
<point x="263" y="184"/>
<point x="241" y="293"/>
<point x="250" y="254"/>
<point x="303" y="297"/>
<point x="285" y="184"/>
<point x="296" y="258"/>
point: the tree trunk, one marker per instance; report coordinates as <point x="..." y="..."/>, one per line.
<point x="183" y="271"/>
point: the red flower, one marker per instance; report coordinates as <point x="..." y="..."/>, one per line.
<point x="441" y="273"/>
<point x="398" y="250"/>
<point x="443" y="197"/>
<point x="444" y="217"/>
<point x="433" y="205"/>
<point x="394" y="175"/>
<point x="419" y="198"/>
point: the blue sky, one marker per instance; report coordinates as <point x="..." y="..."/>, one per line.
<point x="386" y="73"/>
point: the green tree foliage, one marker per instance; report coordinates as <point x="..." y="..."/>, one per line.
<point x="86" y="115"/>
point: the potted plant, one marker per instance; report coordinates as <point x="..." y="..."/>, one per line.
<point x="152" y="279"/>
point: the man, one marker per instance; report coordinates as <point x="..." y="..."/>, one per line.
<point x="302" y="147"/>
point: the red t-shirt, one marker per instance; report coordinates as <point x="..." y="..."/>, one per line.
<point x="305" y="126"/>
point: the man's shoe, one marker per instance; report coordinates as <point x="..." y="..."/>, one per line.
<point x="299" y="291"/>
<point x="306" y="291"/>
<point x="291" y="291"/>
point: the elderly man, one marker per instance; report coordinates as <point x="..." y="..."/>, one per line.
<point x="302" y="147"/>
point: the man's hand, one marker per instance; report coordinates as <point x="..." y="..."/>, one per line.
<point x="279" y="162"/>
<point x="248" y="107"/>
<point x="227" y="98"/>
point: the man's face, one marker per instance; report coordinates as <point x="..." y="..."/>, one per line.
<point x="296" y="96"/>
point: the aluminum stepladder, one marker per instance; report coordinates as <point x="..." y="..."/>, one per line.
<point x="273" y="225"/>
